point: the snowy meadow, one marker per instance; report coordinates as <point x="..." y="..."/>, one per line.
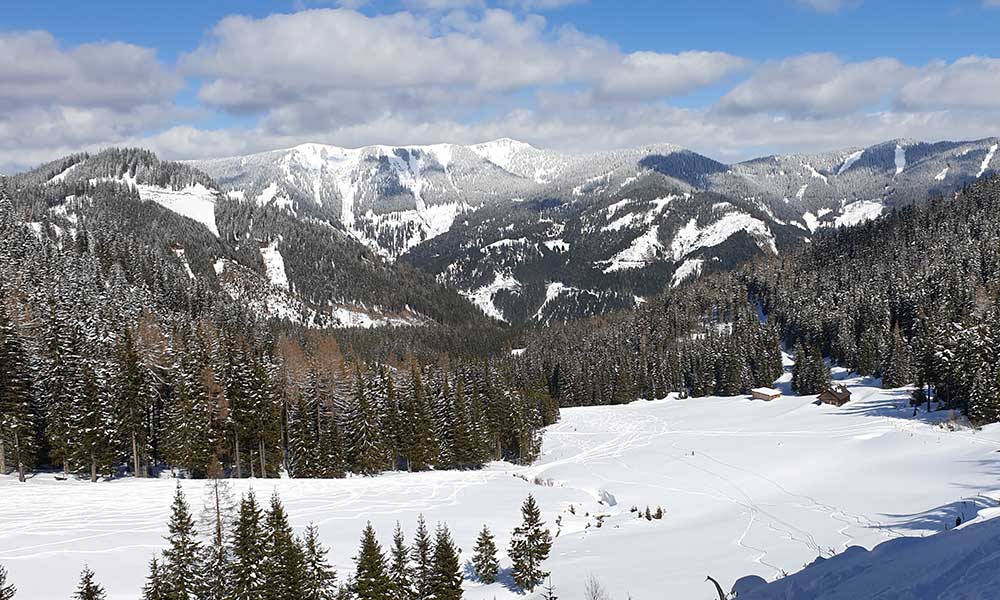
<point x="747" y="487"/>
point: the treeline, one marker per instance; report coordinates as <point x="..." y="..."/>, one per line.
<point x="243" y="550"/>
<point x="911" y="297"/>
<point x="117" y="362"/>
<point x="698" y="339"/>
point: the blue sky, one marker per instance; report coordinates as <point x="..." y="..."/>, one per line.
<point x="730" y="79"/>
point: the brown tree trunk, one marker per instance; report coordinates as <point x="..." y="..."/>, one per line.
<point x="263" y="461"/>
<point x="239" y="473"/>
<point x="93" y="468"/>
<point x="17" y="456"/>
<point x="3" y="458"/>
<point x="135" y="457"/>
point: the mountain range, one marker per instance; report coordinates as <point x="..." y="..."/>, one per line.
<point x="381" y="235"/>
<point x="536" y="236"/>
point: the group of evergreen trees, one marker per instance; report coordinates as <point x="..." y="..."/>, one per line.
<point x="250" y="552"/>
<point x="912" y="297"/>
<point x="112" y="362"/>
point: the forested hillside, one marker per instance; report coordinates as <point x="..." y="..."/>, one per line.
<point x="911" y="297"/>
<point x="114" y="358"/>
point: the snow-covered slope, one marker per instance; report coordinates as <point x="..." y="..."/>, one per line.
<point x="748" y="488"/>
<point x="633" y="205"/>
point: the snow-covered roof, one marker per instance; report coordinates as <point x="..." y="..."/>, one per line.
<point x="766" y="391"/>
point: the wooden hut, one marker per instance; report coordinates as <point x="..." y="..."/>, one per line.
<point x="836" y="395"/>
<point x="765" y="394"/>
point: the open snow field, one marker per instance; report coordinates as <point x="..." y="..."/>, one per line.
<point x="748" y="488"/>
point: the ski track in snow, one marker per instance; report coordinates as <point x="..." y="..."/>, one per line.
<point x="748" y="488"/>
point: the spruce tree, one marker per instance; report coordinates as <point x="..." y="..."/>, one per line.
<point x="17" y="418"/>
<point x="155" y="588"/>
<point x="183" y="570"/>
<point x="247" y="548"/>
<point x="399" y="569"/>
<point x="422" y="555"/>
<point x="284" y="561"/>
<point x="485" y="558"/>
<point x="529" y="547"/>
<point x="366" y="452"/>
<point x="371" y="579"/>
<point x="7" y="591"/>
<point x="216" y="517"/>
<point x="419" y="446"/>
<point x="446" y="574"/>
<point x="88" y="589"/>
<point x="131" y="402"/>
<point x="320" y="579"/>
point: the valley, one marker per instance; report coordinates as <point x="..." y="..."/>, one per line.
<point x="748" y="488"/>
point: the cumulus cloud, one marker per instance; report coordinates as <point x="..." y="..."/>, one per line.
<point x="34" y="70"/>
<point x="656" y="75"/>
<point x="815" y="85"/>
<point x="56" y="100"/>
<point x="404" y="62"/>
<point x="455" y="71"/>
<point x="972" y="82"/>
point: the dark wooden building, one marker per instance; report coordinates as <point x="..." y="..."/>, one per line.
<point x="836" y="395"/>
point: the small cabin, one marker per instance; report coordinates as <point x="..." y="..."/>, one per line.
<point x="765" y="394"/>
<point x="836" y="395"/>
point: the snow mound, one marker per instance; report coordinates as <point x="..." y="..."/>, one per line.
<point x="962" y="563"/>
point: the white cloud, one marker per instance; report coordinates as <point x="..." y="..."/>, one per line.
<point x="35" y="71"/>
<point x="991" y="3"/>
<point x="972" y="82"/>
<point x="354" y="67"/>
<point x="657" y="75"/>
<point x="815" y="85"/>
<point x="56" y="100"/>
<point x="443" y="73"/>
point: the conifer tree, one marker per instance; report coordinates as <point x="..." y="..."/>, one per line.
<point x="529" y="547"/>
<point x="155" y="588"/>
<point x="247" y="548"/>
<point x="7" y="591"/>
<point x="446" y="574"/>
<point x="320" y="579"/>
<point x="549" y="591"/>
<point x="16" y="408"/>
<point x="88" y="589"/>
<point x="371" y="579"/>
<point x="182" y="568"/>
<point x="399" y="568"/>
<point x="131" y="403"/>
<point x="216" y="517"/>
<point x="284" y="561"/>
<point x="419" y="446"/>
<point x="422" y="554"/>
<point x="485" y="558"/>
<point x="93" y="445"/>
<point x="366" y="451"/>
<point x="898" y="371"/>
